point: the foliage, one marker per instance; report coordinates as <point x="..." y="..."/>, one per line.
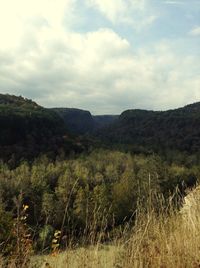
<point x="95" y="191"/>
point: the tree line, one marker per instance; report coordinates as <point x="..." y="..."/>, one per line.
<point x="84" y="192"/>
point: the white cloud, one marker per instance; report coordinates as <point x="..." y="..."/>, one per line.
<point x="17" y="17"/>
<point x="195" y="31"/>
<point x="174" y="2"/>
<point x="135" y="13"/>
<point x="111" y="9"/>
<point x="98" y="71"/>
<point x="43" y="59"/>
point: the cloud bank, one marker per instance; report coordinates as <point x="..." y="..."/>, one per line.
<point x="44" y="58"/>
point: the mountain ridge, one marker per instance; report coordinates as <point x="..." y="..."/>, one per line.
<point x="28" y="130"/>
<point x="177" y="129"/>
<point x="26" y="122"/>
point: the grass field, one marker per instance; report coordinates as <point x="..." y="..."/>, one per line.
<point x="165" y="241"/>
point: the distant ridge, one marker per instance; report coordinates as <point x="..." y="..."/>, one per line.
<point x="177" y="129"/>
<point x="6" y="99"/>
<point x="28" y="130"/>
<point x="81" y="122"/>
<point x="25" y="123"/>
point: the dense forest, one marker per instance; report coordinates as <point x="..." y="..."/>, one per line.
<point x="71" y="195"/>
<point x="160" y="132"/>
<point x="28" y="130"/>
<point x="64" y="171"/>
<point x="81" y="122"/>
<point x="25" y="124"/>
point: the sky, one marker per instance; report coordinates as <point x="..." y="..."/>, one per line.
<point x="105" y="56"/>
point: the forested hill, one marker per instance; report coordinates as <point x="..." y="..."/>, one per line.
<point x="78" y="121"/>
<point x="28" y="129"/>
<point x="7" y="100"/>
<point x="177" y="129"/>
<point x="81" y="122"/>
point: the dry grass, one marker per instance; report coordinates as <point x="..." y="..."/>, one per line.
<point x="95" y="256"/>
<point x="168" y="240"/>
<point x="162" y="242"/>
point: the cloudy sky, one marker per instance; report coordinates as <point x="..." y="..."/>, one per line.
<point x="105" y="56"/>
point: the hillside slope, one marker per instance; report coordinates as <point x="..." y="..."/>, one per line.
<point x="28" y="129"/>
<point x="77" y="121"/>
<point x="81" y="122"/>
<point x="177" y="129"/>
<point x="26" y="124"/>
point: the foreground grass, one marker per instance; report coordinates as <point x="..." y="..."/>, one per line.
<point x="165" y="243"/>
<point x="165" y="240"/>
<point x="96" y="256"/>
<point x="169" y="245"/>
<point x="156" y="241"/>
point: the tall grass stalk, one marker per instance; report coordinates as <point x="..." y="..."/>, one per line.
<point x="160" y="236"/>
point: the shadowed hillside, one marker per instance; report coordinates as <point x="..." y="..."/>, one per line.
<point x="25" y="124"/>
<point x="177" y="129"/>
<point x="77" y="121"/>
<point x="82" y="122"/>
<point x="28" y="129"/>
